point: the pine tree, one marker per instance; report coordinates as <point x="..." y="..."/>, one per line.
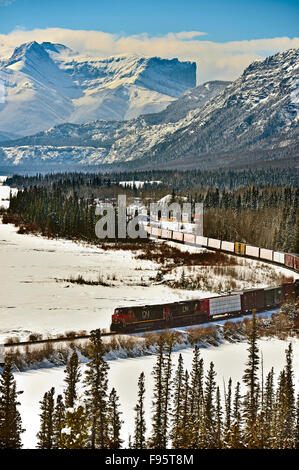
<point x="46" y="434"/>
<point x="156" y="441"/>
<point x="114" y="421"/>
<point x="58" y="422"/>
<point x="167" y="383"/>
<point x="76" y="431"/>
<point x="140" y="425"/>
<point x="10" y="419"/>
<point x="290" y="412"/>
<point x="178" y="405"/>
<point x="72" y="378"/>
<point x="219" y="423"/>
<point x="228" y="407"/>
<point x="196" y="396"/>
<point x="209" y="407"/>
<point x="250" y="377"/>
<point x="96" y="382"/>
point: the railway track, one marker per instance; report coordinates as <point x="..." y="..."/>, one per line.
<point x="71" y="339"/>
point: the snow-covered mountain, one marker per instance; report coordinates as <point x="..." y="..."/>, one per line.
<point x="216" y="124"/>
<point x="48" y="84"/>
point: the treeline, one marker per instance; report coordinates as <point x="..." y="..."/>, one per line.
<point x="188" y="409"/>
<point x="267" y="217"/>
<point x="170" y="179"/>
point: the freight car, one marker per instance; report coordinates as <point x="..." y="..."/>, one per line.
<point x="291" y="261"/>
<point x="190" y="312"/>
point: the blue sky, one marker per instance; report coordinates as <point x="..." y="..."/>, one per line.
<point x="232" y="20"/>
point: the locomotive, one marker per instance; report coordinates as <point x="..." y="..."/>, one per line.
<point x="190" y="312"/>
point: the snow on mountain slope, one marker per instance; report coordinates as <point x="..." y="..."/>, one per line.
<point x="47" y="84"/>
<point x="253" y="118"/>
<point x="108" y="141"/>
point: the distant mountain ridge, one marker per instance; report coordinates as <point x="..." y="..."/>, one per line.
<point x="218" y="124"/>
<point x="48" y="84"/>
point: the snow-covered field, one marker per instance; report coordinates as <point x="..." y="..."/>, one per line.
<point x="33" y="301"/>
<point x="229" y="360"/>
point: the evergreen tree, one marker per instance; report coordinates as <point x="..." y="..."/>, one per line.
<point x="209" y="407"/>
<point x="10" y="419"/>
<point x="157" y="441"/>
<point x="167" y="383"/>
<point x="58" y="422"/>
<point x="219" y="423"/>
<point x="140" y="425"/>
<point x="178" y="405"/>
<point x="96" y="382"/>
<point x="72" y="378"/>
<point x="46" y="434"/>
<point x="114" y="421"/>
<point x="76" y="431"/>
<point x="250" y="377"/>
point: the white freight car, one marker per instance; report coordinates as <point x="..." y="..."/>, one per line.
<point x="214" y="243"/>
<point x="202" y="241"/>
<point x="178" y="236"/>
<point x="278" y="257"/>
<point x="252" y="251"/>
<point x="189" y="238"/>
<point x="227" y="304"/>
<point x="228" y="246"/>
<point x="266" y="254"/>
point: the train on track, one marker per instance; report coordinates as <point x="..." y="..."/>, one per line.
<point x="150" y="317"/>
<point x="190" y="312"/>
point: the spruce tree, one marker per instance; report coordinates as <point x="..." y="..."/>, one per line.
<point x="157" y="441"/>
<point x="140" y="425"/>
<point x="58" y="422"/>
<point x="46" y="433"/>
<point x="96" y="382"/>
<point x="209" y="407"/>
<point x="114" y="421"/>
<point x="10" y="419"/>
<point x="167" y="384"/>
<point x="72" y="378"/>
<point x="178" y="405"/>
<point x="250" y="377"/>
<point x="76" y="431"/>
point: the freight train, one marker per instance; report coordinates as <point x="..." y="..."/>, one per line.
<point x="150" y="317"/>
<point x="190" y="312"/>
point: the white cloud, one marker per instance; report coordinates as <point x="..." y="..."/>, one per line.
<point x="215" y="60"/>
<point x="5" y="3"/>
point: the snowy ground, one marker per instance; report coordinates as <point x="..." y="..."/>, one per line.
<point x="229" y="360"/>
<point x="33" y="301"/>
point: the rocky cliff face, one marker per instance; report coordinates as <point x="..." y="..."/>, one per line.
<point x="48" y="84"/>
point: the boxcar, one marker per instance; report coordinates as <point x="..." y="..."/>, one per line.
<point x="178" y="236"/>
<point x="253" y="299"/>
<point x="202" y="241"/>
<point x="214" y="243"/>
<point x="288" y="290"/>
<point x="296" y="262"/>
<point x="240" y="248"/>
<point x="273" y="296"/>
<point x="289" y="260"/>
<point x="225" y="304"/>
<point x="266" y="254"/>
<point x="278" y="257"/>
<point x="227" y="246"/>
<point x="252" y="251"/>
<point x="166" y="233"/>
<point x="156" y="232"/>
<point x="189" y="238"/>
